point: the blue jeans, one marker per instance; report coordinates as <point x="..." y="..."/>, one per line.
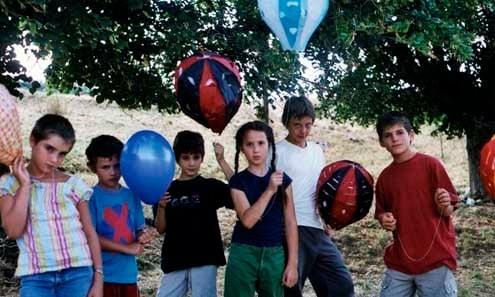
<point x="73" y="282"/>
<point x="201" y="281"/>
<point x="321" y="262"/>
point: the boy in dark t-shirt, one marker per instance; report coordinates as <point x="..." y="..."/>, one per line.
<point x="192" y="248"/>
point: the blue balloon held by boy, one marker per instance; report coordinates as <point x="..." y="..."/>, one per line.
<point x="147" y="163"/>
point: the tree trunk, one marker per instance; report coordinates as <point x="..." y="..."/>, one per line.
<point x="266" y="111"/>
<point x="474" y="143"/>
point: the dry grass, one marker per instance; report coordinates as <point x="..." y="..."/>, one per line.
<point x="361" y="243"/>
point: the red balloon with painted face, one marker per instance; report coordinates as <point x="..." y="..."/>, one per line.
<point x="208" y="89"/>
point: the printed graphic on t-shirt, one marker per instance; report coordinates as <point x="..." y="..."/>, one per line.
<point x="185" y="201"/>
<point x="116" y="222"/>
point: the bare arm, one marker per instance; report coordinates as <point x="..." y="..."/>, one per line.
<point x="134" y="248"/>
<point x="160" y="219"/>
<point x="224" y="166"/>
<point x="94" y="247"/>
<point x="248" y="214"/>
<point x="14" y="209"/>
<point x="291" y="236"/>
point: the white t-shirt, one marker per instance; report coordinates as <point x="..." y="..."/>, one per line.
<point x="303" y="165"/>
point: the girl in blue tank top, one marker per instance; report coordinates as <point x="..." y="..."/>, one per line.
<point x="266" y="220"/>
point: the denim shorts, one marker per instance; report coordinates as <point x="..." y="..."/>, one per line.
<point x="73" y="282"/>
<point x="439" y="282"/>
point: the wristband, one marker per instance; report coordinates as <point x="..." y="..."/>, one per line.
<point x="98" y="270"/>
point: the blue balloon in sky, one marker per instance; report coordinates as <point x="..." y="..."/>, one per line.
<point x="147" y="163"/>
<point x="293" y="21"/>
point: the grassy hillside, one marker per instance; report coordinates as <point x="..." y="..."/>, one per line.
<point x="361" y="243"/>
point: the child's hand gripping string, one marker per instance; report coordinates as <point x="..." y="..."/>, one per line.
<point x="443" y="202"/>
<point x="220" y="156"/>
<point x="219" y="151"/>
<point x="388" y="221"/>
<point x="442" y="198"/>
<point x="276" y="180"/>
<point x="160" y="220"/>
<point x="164" y="200"/>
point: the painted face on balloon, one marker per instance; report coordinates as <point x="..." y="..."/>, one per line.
<point x="108" y="172"/>
<point x="208" y="89"/>
<point x="255" y="147"/>
<point x="189" y="163"/>
<point x="299" y="129"/>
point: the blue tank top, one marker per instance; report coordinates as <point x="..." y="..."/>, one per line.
<point x="269" y="230"/>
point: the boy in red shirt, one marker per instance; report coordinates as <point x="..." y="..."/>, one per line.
<point x="415" y="199"/>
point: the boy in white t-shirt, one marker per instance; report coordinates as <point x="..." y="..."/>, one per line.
<point x="302" y="160"/>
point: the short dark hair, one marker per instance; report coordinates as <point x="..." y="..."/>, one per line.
<point x="50" y="124"/>
<point x="4" y="169"/>
<point x="103" y="146"/>
<point x="188" y="142"/>
<point x="392" y="118"/>
<point x="297" y="107"/>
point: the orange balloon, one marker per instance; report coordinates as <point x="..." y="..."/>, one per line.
<point x="487" y="167"/>
<point x="10" y="128"/>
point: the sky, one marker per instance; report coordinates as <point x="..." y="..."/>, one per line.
<point x="35" y="67"/>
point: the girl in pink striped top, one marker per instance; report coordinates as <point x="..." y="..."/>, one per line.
<point x="46" y="211"/>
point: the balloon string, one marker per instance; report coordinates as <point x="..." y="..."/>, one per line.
<point x="430" y="246"/>
<point x="294" y="66"/>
